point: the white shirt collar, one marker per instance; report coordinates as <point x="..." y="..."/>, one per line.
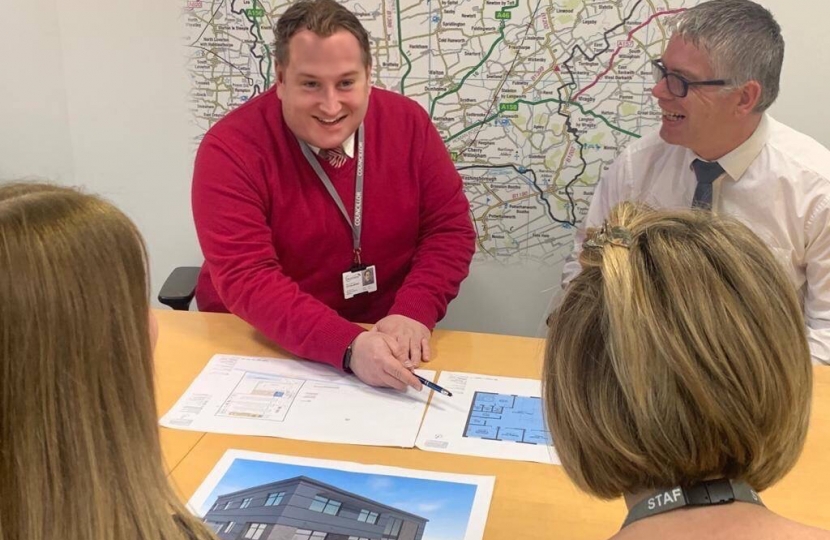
<point x="736" y="162"/>
<point x="348" y="146"/>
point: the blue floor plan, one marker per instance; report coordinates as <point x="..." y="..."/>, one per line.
<point x="503" y="417"/>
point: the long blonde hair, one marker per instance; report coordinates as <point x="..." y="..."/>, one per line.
<point x="678" y="354"/>
<point x="80" y="453"/>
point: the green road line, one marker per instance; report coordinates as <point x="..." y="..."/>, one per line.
<point x="468" y="128"/>
<point x="254" y="20"/>
<point x="532" y="103"/>
<point x="400" y="47"/>
<point x="579" y="106"/>
<point x="506" y="105"/>
<point x="469" y="73"/>
<point x="464" y="78"/>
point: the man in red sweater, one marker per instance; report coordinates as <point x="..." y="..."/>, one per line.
<point x="300" y="191"/>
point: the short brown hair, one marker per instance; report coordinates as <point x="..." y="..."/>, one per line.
<point x="678" y="354"/>
<point x="324" y="18"/>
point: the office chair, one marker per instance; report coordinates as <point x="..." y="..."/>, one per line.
<point x="179" y="288"/>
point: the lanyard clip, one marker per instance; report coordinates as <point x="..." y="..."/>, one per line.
<point x="710" y="492"/>
<point x="356" y="263"/>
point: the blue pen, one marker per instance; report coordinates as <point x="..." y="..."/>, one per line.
<point x="430" y="384"/>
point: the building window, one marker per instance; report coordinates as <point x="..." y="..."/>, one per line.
<point x="246" y="502"/>
<point x="274" y="498"/>
<point x="255" y="530"/>
<point x="229" y="527"/>
<point x="215" y="526"/>
<point x="228" y="504"/>
<point x="393" y="529"/>
<point x="368" y="517"/>
<point x="304" y="534"/>
<point x="358" y="538"/>
<point x="324" y="505"/>
<point x="217" y="505"/>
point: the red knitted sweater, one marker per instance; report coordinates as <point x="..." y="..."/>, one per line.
<point x="275" y="244"/>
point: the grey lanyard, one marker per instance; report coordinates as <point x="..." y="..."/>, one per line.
<point x="711" y="492"/>
<point x="357" y="225"/>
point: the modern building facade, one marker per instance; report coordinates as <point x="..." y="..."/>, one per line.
<point x="302" y="508"/>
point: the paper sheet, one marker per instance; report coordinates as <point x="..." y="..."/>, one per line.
<point x="362" y="501"/>
<point x="488" y="416"/>
<point x="297" y="400"/>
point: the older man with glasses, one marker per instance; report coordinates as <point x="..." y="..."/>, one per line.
<point x="718" y="149"/>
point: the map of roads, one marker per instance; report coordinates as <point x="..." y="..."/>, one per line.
<point x="503" y="417"/>
<point x="533" y="98"/>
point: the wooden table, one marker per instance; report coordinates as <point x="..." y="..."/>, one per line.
<point x="530" y="500"/>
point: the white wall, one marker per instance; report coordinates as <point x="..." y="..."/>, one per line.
<point x="94" y="93"/>
<point x="126" y="90"/>
<point x="803" y="100"/>
<point x="34" y="126"/>
<point x="504" y="299"/>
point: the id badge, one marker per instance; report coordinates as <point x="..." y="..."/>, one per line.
<point x="358" y="281"/>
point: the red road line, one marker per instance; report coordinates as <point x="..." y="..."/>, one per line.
<point x="617" y="51"/>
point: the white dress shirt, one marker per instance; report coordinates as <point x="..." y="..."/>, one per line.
<point x="348" y="146"/>
<point x="777" y="182"/>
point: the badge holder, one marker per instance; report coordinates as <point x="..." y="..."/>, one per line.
<point x="359" y="279"/>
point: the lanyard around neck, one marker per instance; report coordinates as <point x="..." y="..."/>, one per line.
<point x="708" y="493"/>
<point x="357" y="224"/>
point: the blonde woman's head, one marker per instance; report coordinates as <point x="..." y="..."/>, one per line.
<point x="77" y="414"/>
<point x="677" y="355"/>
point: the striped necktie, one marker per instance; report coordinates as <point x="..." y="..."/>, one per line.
<point x="336" y="156"/>
<point x="706" y="172"/>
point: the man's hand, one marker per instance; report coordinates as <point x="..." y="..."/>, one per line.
<point x="411" y="335"/>
<point x="377" y="360"/>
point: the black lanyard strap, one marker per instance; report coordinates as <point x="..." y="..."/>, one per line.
<point x="708" y="493"/>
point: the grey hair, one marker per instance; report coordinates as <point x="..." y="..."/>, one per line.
<point x="743" y="41"/>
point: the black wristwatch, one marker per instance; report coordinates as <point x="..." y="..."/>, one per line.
<point x="347" y="358"/>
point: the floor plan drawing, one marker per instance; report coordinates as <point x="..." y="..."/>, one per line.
<point x="281" y="397"/>
<point x="488" y="416"/>
<point x="504" y="417"/>
<point x="262" y="397"/>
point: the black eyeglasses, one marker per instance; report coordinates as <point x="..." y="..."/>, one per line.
<point x="678" y="86"/>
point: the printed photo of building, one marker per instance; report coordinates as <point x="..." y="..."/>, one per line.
<point x="302" y="508"/>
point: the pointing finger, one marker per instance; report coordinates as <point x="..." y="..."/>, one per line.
<point x="391" y="382"/>
<point x="404" y="375"/>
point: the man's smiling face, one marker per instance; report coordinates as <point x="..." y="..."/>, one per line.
<point x="700" y="120"/>
<point x="324" y="88"/>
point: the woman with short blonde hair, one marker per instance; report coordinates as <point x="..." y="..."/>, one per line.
<point x="677" y="364"/>
<point x="80" y="455"/>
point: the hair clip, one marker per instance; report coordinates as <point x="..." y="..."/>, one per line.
<point x="605" y="235"/>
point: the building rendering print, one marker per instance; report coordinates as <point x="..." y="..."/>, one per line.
<point x="301" y="508"/>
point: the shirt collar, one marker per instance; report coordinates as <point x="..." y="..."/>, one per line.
<point x="348" y="146"/>
<point x="736" y="162"/>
